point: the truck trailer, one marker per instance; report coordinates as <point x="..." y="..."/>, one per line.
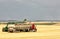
<point x="30" y="27"/>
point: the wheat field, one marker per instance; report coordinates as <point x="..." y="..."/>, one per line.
<point x="43" y="32"/>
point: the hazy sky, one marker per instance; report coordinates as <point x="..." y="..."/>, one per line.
<point x="30" y="9"/>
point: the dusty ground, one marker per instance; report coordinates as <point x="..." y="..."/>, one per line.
<point x="43" y="32"/>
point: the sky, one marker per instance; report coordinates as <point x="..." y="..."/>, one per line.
<point x="30" y="9"/>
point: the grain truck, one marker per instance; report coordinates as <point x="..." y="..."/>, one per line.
<point x="20" y="27"/>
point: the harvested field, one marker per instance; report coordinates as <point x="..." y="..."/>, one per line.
<point x="43" y="32"/>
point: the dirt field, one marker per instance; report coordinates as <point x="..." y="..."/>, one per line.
<point x="43" y="32"/>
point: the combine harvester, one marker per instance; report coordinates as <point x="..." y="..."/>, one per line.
<point x="22" y="26"/>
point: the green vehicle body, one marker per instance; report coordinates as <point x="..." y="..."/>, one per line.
<point x="5" y="29"/>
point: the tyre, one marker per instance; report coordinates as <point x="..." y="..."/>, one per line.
<point x="11" y="30"/>
<point x="34" y="30"/>
<point x="27" y="30"/>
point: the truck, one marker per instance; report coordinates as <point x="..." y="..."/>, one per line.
<point x="20" y="27"/>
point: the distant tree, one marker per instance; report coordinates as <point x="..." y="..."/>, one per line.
<point x="25" y="20"/>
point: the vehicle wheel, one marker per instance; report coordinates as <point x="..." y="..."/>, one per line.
<point x="11" y="31"/>
<point x="34" y="30"/>
<point x="27" y="30"/>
